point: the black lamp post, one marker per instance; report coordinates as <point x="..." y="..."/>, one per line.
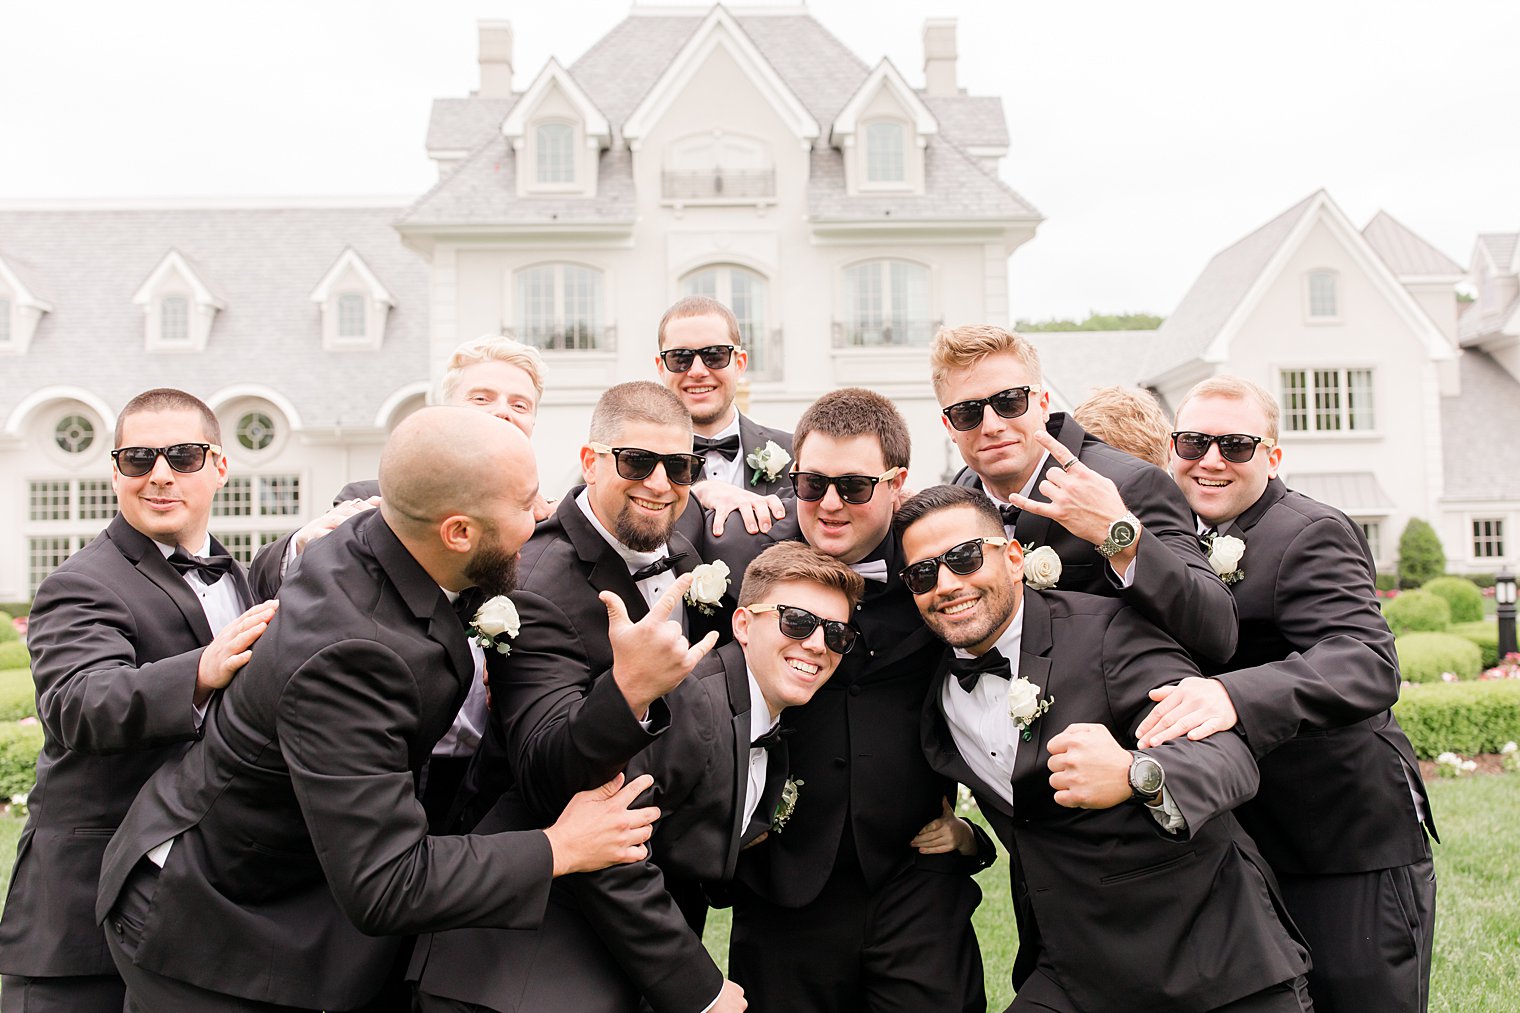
<point x="1504" y="596"/>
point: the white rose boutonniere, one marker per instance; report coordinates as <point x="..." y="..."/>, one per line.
<point x="1224" y="557"/>
<point x="768" y="462"/>
<point x="708" y="583"/>
<point x="1025" y="705"/>
<point x="788" y="803"/>
<point x="495" y="622"/>
<point x="1042" y="568"/>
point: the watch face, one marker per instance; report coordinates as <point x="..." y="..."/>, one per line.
<point x="1146" y="776"/>
<point x="1121" y="533"/>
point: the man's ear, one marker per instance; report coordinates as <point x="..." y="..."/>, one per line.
<point x="588" y="464"/>
<point x="1274" y="460"/>
<point x="457" y="533"/>
<point x="1015" y="553"/>
<point x="741" y="623"/>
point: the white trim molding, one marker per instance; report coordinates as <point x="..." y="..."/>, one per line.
<point x="176" y="278"/>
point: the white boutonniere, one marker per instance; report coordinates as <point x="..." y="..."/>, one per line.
<point x="1025" y="705"/>
<point x="708" y="582"/>
<point x="768" y="462"/>
<point x="788" y="803"/>
<point x="495" y="623"/>
<point x="1224" y="557"/>
<point x="1042" y="568"/>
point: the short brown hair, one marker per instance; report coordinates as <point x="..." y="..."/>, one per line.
<point x="700" y="306"/>
<point x="497" y="348"/>
<point x="1240" y="389"/>
<point x="1129" y="419"/>
<point x="636" y="401"/>
<point x="169" y="399"/>
<point x="963" y="347"/>
<point x="855" y="411"/>
<point x="948" y="497"/>
<point x="798" y="561"/>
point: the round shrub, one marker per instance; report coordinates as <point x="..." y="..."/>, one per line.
<point x="1425" y="657"/>
<point x="1421" y="557"/>
<point x="1484" y="633"/>
<point x="1462" y="595"/>
<point x="1417" y="611"/>
<point x="13" y="655"/>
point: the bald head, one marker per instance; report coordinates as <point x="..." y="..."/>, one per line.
<point x="445" y="460"/>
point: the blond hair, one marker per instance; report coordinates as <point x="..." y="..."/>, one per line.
<point x="785" y="562"/>
<point x="1239" y="389"/>
<point x="493" y="348"/>
<point x="1129" y="419"/>
<point x="956" y="348"/>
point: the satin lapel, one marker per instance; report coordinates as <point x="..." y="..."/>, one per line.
<point x="939" y="745"/>
<point x="777" y="769"/>
<point x="419" y="591"/>
<point x="1274" y="491"/>
<point x="1034" y="664"/>
<point x="736" y="681"/>
<point x="139" y="548"/>
<point x="239" y="578"/>
<point x="606" y="569"/>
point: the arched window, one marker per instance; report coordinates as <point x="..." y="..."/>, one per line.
<point x="74" y="434"/>
<point x="351" y="323"/>
<point x="556" y="152"/>
<point x="174" y="319"/>
<point x="886" y="155"/>
<point x="559" y="306"/>
<point x="255" y="430"/>
<point x="1323" y="300"/>
<point x="886" y="302"/>
<point x="744" y="292"/>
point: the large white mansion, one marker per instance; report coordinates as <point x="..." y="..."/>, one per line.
<point x="842" y="211"/>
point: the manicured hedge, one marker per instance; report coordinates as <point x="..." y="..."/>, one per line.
<point x="1462" y="595"/>
<point x="13" y="655"/>
<point x="1462" y="717"/>
<point x="19" y="746"/>
<point x="1484" y="633"/>
<point x="1425" y="657"/>
<point x="18" y="694"/>
<point x="1417" y="610"/>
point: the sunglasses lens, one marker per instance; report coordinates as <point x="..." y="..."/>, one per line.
<point x="134" y="462"/>
<point x="855" y="489"/>
<point x="636" y="465"/>
<point x="1191" y="446"/>
<point x="922" y="576"/>
<point x="1237" y="449"/>
<point x="964" y="558"/>
<point x="809" y="486"/>
<point x="716" y="356"/>
<point x="679" y="360"/>
<point x="839" y="637"/>
<point x="683" y="469"/>
<point x="186" y="457"/>
<point x="965" y="414"/>
<point x="1010" y="404"/>
<point x="798" y="624"/>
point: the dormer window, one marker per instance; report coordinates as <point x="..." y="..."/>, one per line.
<point x="351" y="315"/>
<point x="21" y="307"/>
<point x="355" y="305"/>
<point x="178" y="305"/>
<point x="1324" y="302"/>
<point x="556" y="152"/>
<point x="5" y="322"/>
<point x="886" y="160"/>
<point x="174" y="320"/>
<point x="556" y="131"/>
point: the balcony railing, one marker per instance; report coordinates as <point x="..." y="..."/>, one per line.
<point x="876" y="334"/>
<point x="719" y="184"/>
<point x="573" y="337"/>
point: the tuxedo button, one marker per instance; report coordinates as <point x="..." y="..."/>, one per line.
<point x="840" y="761"/>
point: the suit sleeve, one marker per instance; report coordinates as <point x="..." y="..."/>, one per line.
<point x="265" y="573"/>
<point x="1174" y="585"/>
<point x="565" y="728"/>
<point x="1205" y="778"/>
<point x="92" y="694"/>
<point x="1343" y="667"/>
<point x="346" y="721"/>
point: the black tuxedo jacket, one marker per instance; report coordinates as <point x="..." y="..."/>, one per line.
<point x="116" y="637"/>
<point x="752" y="437"/>
<point x="299" y="841"/>
<point x="1129" y="916"/>
<point x="1312" y="682"/>
<point x="264" y="574"/>
<point x="1174" y="586"/>
<point x="559" y="724"/>
<point x="613" y="936"/>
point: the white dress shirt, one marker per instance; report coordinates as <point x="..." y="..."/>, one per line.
<point x="761" y="720"/>
<point x="650" y="587"/>
<point x="720" y="468"/>
<point x="464" y="735"/>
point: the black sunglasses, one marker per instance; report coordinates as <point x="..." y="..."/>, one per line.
<point x="1010" y="404"/>
<point x="185" y="458"/>
<point x="1237" y="448"/>
<point x="961" y="559"/>
<point x="679" y="360"/>
<point x="636" y="465"/>
<point x="855" y="489"/>
<point x="799" y="624"/>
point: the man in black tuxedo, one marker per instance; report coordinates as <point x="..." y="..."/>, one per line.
<point x="701" y="359"/>
<point x="844" y="911"/>
<point x="1134" y="887"/>
<point x="272" y="865"/>
<point x="1341" y="803"/>
<point x="1117" y="523"/>
<point x="721" y="774"/>
<point x="125" y="662"/>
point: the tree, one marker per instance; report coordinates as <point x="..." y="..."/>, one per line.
<point x="1095" y="322"/>
<point x="1421" y="557"/>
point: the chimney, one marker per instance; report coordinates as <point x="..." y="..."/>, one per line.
<point x="495" y="59"/>
<point x="939" y="57"/>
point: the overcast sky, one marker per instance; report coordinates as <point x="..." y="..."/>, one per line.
<point x="1150" y="135"/>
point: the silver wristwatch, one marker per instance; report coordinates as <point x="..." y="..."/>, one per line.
<point x="1146" y="777"/>
<point x="1121" y="535"/>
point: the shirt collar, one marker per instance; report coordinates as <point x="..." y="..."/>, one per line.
<point x="732" y="429"/>
<point x="1028" y="490"/>
<point x="168" y="550"/>
<point x="632" y="558"/>
<point x="761" y="720"/>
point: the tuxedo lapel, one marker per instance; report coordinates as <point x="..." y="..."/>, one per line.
<point x="939" y="744"/>
<point x="606" y="570"/>
<point x="421" y="594"/>
<point x="776" y="772"/>
<point x="1274" y="491"/>
<point x="736" y="680"/>
<point x="1035" y="645"/>
<point x="144" y="555"/>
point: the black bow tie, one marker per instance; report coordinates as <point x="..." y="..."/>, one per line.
<point x="1206" y="540"/>
<point x="209" y="568"/>
<point x="969" y="670"/>
<point x="656" y="568"/>
<point x="1010" y="515"/>
<point x="728" y="446"/>
<point x="771" y="739"/>
<point x="467" y="603"/>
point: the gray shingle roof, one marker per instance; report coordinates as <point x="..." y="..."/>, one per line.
<point x="458" y="124"/>
<point x="972" y="121"/>
<point x="1203" y="311"/>
<point x="1474" y="467"/>
<point x="955" y="187"/>
<point x="26" y="274"/>
<point x="1500" y="246"/>
<point x="1074" y="362"/>
<point x="264" y="264"/>
<point x="1406" y="253"/>
<point x="1348" y="491"/>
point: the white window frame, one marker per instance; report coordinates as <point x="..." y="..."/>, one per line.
<point x="559" y="275"/>
<point x="889" y="315"/>
<point x="1313" y="300"/>
<point x="351" y="309"/>
<point x="1493" y="538"/>
<point x="1328" y="392"/>
<point x="751" y="309"/>
<point x="875" y="155"/>
<point x="7" y="322"/>
<point x="570" y="157"/>
<point x="179" y="300"/>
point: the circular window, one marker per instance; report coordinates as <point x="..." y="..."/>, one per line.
<point x="74" y="434"/>
<point x="255" y="431"/>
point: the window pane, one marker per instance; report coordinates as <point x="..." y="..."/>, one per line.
<point x="535" y="306"/>
<point x="582" y="306"/>
<point x="1295" y="400"/>
<point x="5" y="321"/>
<point x="279" y="495"/>
<point x="74" y="434"/>
<point x="50" y="501"/>
<point x="174" y="319"/>
<point x="351" y="315"/>
<point x="1488" y="538"/>
<point x="43" y="557"/>
<point x="1327" y="399"/>
<point x="235" y="499"/>
<point x="865" y="315"/>
<point x="239" y="544"/>
<point x="1359" y="399"/>
<point x="1322" y="301"/>
<point x="702" y="283"/>
<point x="96" y="500"/>
<point x="556" y="153"/>
<point x="887" y="303"/>
<point x="910" y="304"/>
<point x="255" y="431"/>
<point x="884" y="153"/>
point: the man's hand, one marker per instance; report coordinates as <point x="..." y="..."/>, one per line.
<point x="327" y="522"/>
<point x="597" y="829"/>
<point x="948" y="833"/>
<point x="1089" y="769"/>
<point x="1195" y="707"/>
<point x="1081" y="500"/>
<point x="756" y="511"/>
<point x="229" y="650"/>
<point x="542" y="509"/>
<point x="730" y="1000"/>
<point x="652" y="656"/>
